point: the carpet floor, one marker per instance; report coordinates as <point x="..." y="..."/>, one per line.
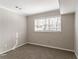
<point x="37" y="52"/>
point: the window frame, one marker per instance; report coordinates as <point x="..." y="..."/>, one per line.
<point x="58" y="18"/>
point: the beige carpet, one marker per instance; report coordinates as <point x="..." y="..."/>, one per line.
<point x="37" y="52"/>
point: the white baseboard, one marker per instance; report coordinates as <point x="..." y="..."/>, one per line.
<point x="12" y="48"/>
<point x="39" y="45"/>
<point x="76" y="55"/>
<point x="19" y="46"/>
<point x="5" y="51"/>
<point x="51" y="46"/>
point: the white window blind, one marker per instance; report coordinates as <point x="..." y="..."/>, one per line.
<point x="50" y="24"/>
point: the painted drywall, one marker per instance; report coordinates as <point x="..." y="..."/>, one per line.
<point x="63" y="39"/>
<point x="76" y="30"/>
<point x="12" y="27"/>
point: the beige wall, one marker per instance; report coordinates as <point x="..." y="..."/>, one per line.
<point x="63" y="39"/>
<point x="10" y="24"/>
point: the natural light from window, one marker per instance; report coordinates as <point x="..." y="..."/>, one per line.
<point x="48" y="24"/>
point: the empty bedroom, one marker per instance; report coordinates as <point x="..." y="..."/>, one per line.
<point x="38" y="29"/>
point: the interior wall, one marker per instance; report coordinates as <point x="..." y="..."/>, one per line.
<point x="63" y="39"/>
<point x="13" y="27"/>
<point x="76" y="30"/>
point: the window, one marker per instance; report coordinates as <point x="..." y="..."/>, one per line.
<point x="51" y="24"/>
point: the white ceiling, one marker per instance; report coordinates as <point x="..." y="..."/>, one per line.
<point x="37" y="6"/>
